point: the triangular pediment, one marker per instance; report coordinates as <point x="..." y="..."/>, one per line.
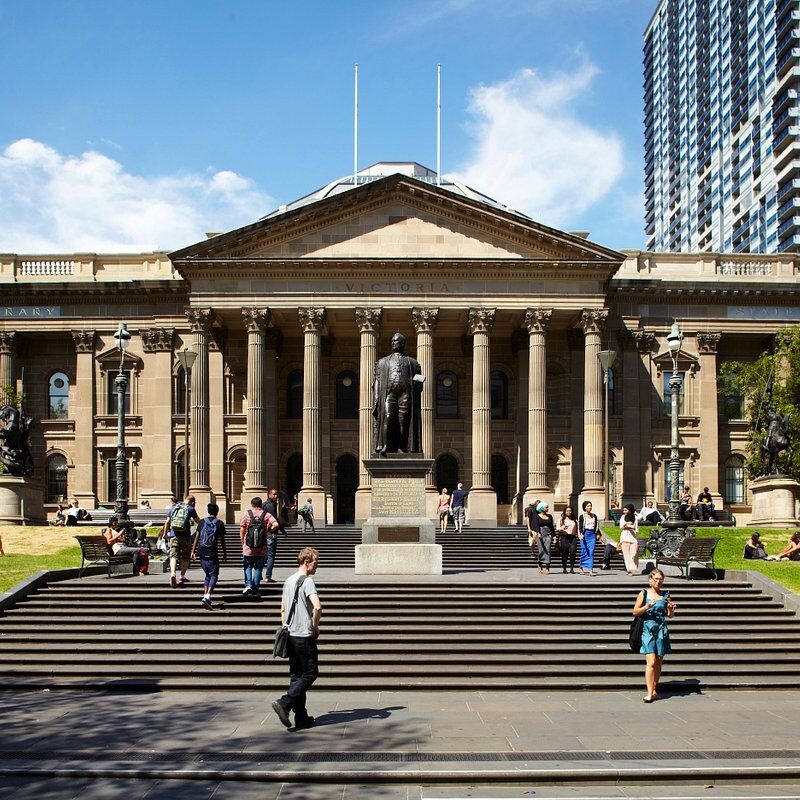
<point x="397" y="218"/>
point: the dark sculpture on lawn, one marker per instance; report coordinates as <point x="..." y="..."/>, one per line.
<point x="396" y="396"/>
<point x="776" y="439"/>
<point x="15" y="428"/>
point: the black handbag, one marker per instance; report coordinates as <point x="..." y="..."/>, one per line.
<point x="635" y="638"/>
<point x="281" y="647"/>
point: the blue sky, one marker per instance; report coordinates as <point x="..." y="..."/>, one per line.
<point x="141" y="125"/>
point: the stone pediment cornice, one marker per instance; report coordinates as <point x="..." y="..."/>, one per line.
<point x="274" y="230"/>
<point x="704" y="292"/>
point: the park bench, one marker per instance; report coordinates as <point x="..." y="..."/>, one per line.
<point x="693" y="549"/>
<point x="95" y="550"/>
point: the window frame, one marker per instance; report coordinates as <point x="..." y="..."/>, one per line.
<point x="64" y="396"/>
<point x="454" y="389"/>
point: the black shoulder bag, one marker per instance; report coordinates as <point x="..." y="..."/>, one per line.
<point x="281" y="648"/>
<point x="637" y="626"/>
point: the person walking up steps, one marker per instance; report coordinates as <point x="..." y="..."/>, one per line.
<point x="253" y="530"/>
<point x="210" y="533"/>
<point x="457" y="509"/>
<point x="301" y="611"/>
<point x="306" y="513"/>
<point x="178" y="531"/>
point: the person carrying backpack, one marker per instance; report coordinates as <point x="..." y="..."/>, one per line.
<point x="253" y="529"/>
<point x="207" y="539"/>
<point x="178" y="532"/>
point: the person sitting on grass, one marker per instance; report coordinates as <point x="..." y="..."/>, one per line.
<point x="792" y="550"/>
<point x="755" y="549"/>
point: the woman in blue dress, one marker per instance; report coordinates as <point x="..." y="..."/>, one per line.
<point x="656" y="607"/>
<point x="587" y="534"/>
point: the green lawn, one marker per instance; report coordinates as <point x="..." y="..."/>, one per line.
<point x="16" y="567"/>
<point x="728" y="554"/>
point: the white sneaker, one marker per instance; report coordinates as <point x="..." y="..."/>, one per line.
<point x="246" y="590"/>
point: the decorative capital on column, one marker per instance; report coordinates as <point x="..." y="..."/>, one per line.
<point x="593" y="320"/>
<point x="256" y="319"/>
<point x="200" y="320"/>
<point x="312" y="319"/>
<point x="425" y="319"/>
<point x="707" y="342"/>
<point x="537" y="320"/>
<point x="156" y="340"/>
<point x="8" y="343"/>
<point x="481" y="320"/>
<point x="645" y="341"/>
<point x="84" y="341"/>
<point x="369" y="319"/>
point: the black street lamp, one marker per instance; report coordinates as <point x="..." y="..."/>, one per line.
<point x="606" y="359"/>
<point x="121" y="502"/>
<point x="186" y="357"/>
<point x="674" y="342"/>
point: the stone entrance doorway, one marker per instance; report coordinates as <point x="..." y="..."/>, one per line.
<point x="346" y="485"/>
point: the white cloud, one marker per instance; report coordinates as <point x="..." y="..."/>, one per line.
<point x="51" y="203"/>
<point x="533" y="153"/>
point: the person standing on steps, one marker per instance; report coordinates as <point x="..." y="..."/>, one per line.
<point x="271" y="507"/>
<point x="568" y="539"/>
<point x="629" y="525"/>
<point x="546" y="530"/>
<point x="533" y="529"/>
<point x="207" y="538"/>
<point x="656" y="607"/>
<point x="253" y="530"/>
<point x="300" y="602"/>
<point x="306" y="513"/>
<point x="178" y="532"/>
<point x="444" y="510"/>
<point x="457" y="500"/>
<point x="588" y="531"/>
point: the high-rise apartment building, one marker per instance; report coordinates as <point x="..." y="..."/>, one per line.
<point x="722" y="143"/>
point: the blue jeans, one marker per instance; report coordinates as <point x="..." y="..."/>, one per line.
<point x="252" y="571"/>
<point x="272" y="547"/>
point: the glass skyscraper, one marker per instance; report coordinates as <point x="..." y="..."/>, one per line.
<point x="722" y="151"/>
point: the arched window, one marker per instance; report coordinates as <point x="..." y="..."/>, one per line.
<point x="500" y="478"/>
<point x="56" y="479"/>
<point x="59" y="396"/>
<point x="294" y="475"/>
<point x="446" y="472"/>
<point x="237" y="464"/>
<point x="447" y="395"/>
<point x="294" y="394"/>
<point x="499" y="383"/>
<point x="735" y="482"/>
<point x="347" y="395"/>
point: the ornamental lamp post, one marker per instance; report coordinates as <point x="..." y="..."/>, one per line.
<point x="186" y="357"/>
<point x="123" y="339"/>
<point x="606" y="359"/>
<point x="674" y="342"/>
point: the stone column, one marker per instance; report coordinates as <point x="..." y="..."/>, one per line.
<point x="519" y="342"/>
<point x="482" y="502"/>
<point x="272" y="343"/>
<point x="81" y="483"/>
<point x="8" y="369"/>
<point x="537" y="320"/>
<point x="200" y="322"/>
<point x="156" y="391"/>
<point x="255" y="322"/>
<point x="707" y="343"/>
<point x="312" y="321"/>
<point x="592" y="322"/>
<point x="425" y="320"/>
<point x="369" y="322"/>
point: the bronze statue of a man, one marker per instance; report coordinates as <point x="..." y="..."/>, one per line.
<point x="396" y="396"/>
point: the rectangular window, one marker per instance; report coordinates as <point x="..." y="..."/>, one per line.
<point x="734" y="484"/>
<point x="733" y="406"/>
<point x="113" y="406"/>
<point x="667" y="394"/>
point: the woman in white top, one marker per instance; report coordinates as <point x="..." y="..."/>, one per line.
<point x="628" y="541"/>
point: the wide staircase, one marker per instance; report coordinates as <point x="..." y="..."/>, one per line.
<point x="550" y="633"/>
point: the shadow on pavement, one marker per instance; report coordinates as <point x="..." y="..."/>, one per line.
<point x="353" y="714"/>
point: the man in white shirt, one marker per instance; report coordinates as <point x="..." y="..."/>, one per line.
<point x="303" y="634"/>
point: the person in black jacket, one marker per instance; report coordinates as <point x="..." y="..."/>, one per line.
<point x="271" y="506"/>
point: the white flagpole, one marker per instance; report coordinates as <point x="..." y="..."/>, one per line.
<point x="355" y="130"/>
<point x="438" y="124"/>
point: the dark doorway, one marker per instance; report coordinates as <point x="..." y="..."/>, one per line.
<point x="294" y="476"/>
<point x="346" y="485"/>
<point x="500" y="478"/>
<point x="446" y="472"/>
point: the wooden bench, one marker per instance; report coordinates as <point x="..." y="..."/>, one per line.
<point x="693" y="549"/>
<point x="94" y="550"/>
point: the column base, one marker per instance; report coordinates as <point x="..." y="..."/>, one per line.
<point x="597" y="497"/>
<point x="159" y="498"/>
<point x="87" y="500"/>
<point x="249" y="492"/>
<point x="482" y="508"/>
<point x="363" y="504"/>
<point x="203" y="495"/>
<point x="543" y="495"/>
<point x="319" y="500"/>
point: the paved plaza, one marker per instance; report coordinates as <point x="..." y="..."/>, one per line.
<point x="596" y="744"/>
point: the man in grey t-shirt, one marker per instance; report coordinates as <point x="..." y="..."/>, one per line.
<point x="303" y="635"/>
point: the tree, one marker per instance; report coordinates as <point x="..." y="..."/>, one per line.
<point x="781" y="368"/>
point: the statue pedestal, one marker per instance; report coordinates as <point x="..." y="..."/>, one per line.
<point x="21" y="501"/>
<point x="775" y="500"/>
<point x="399" y="538"/>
